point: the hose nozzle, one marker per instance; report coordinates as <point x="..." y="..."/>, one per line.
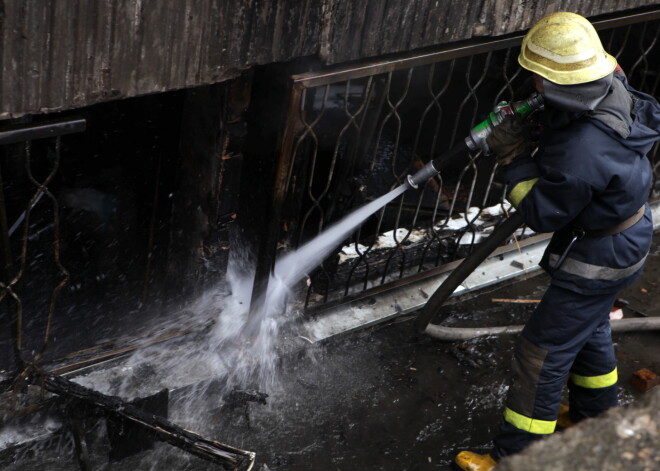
<point x="424" y="174"/>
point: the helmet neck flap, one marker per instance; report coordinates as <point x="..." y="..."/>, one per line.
<point x="577" y="98"/>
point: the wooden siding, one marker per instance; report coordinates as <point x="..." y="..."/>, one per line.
<point x="64" y="54"/>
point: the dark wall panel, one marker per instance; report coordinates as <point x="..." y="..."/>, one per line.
<point x="70" y="53"/>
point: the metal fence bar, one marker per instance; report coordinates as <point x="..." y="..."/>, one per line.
<point x="27" y="133"/>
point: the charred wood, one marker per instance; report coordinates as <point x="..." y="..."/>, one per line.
<point x="211" y="450"/>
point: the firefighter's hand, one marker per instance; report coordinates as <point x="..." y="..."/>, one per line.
<point x="511" y="138"/>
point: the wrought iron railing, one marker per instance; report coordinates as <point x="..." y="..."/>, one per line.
<point x="354" y="133"/>
<point x="15" y="269"/>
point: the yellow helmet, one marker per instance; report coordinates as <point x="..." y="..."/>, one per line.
<point x="565" y="48"/>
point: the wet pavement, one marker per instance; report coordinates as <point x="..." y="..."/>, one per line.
<point x="385" y="398"/>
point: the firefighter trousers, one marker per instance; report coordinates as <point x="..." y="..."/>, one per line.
<point x="567" y="337"/>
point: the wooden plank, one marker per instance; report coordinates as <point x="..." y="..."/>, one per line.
<point x="215" y="50"/>
<point x="36" y="57"/>
<point x="262" y="29"/>
<point x="308" y="38"/>
<point x="159" y="427"/>
<point x="288" y="38"/>
<point x="375" y="16"/>
<point x="194" y="39"/>
<point x="395" y="18"/>
<point x="154" y="50"/>
<point x="12" y="60"/>
<point x="417" y="25"/>
<point x="452" y="22"/>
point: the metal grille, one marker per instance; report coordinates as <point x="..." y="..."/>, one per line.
<point x="354" y="134"/>
<point x="43" y="202"/>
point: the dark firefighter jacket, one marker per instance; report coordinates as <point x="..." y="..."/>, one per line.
<point x="587" y="174"/>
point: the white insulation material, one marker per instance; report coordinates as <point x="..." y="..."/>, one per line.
<point x="475" y="223"/>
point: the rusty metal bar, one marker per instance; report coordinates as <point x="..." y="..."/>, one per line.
<point x="628" y="19"/>
<point x="5" y="246"/>
<point x="30" y="132"/>
<point x="311" y="79"/>
<point x="207" y="449"/>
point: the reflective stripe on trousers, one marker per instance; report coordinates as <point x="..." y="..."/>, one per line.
<point x="596" y="382"/>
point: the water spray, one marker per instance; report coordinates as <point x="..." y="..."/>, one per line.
<point x="476" y="140"/>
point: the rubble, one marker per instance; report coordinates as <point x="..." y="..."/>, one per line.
<point x="645" y="379"/>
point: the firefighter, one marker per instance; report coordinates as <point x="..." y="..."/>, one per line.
<point x="588" y="183"/>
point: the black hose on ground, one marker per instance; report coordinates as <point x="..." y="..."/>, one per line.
<point x="467" y="266"/>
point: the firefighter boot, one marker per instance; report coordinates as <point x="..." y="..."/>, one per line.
<point x="469" y="461"/>
<point x="564" y="420"/>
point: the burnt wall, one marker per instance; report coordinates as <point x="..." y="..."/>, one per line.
<point x="71" y="53"/>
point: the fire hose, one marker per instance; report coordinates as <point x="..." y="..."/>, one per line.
<point x="467" y="266"/>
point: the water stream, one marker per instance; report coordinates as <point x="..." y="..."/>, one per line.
<point x="293" y="266"/>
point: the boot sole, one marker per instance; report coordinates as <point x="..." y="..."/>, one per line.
<point x="456" y="467"/>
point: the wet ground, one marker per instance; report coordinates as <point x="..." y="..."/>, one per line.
<point x="380" y="399"/>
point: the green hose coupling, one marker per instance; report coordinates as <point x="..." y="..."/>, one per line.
<point x="476" y="140"/>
